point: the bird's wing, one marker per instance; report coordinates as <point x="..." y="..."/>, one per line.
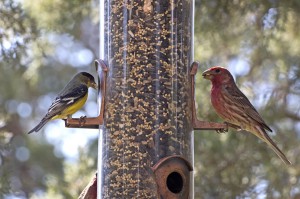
<point x="242" y="101"/>
<point x="63" y="101"/>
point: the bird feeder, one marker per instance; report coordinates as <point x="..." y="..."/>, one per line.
<point x="146" y="100"/>
<point x="147" y="140"/>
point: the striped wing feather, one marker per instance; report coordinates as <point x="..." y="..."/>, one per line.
<point x="243" y="103"/>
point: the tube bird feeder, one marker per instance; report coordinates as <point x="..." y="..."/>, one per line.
<point x="146" y="91"/>
<point x="147" y="133"/>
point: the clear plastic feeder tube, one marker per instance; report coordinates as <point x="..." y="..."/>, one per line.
<point x="147" y="45"/>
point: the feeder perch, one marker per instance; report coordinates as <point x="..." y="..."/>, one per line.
<point x="204" y="125"/>
<point x="93" y="122"/>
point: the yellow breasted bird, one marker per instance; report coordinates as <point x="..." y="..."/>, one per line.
<point x="69" y="100"/>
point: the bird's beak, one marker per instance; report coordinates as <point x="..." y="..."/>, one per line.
<point x="207" y="74"/>
<point x="94" y="85"/>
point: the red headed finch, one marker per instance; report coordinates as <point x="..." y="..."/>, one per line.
<point x="235" y="108"/>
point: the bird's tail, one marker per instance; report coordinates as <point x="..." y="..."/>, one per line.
<point x="39" y="126"/>
<point x="273" y="146"/>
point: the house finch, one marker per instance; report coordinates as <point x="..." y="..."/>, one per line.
<point x="235" y="108"/>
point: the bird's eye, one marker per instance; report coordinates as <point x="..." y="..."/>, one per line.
<point x="217" y="70"/>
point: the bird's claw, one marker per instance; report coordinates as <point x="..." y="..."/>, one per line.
<point x="238" y="128"/>
<point x="82" y="120"/>
<point x="222" y="130"/>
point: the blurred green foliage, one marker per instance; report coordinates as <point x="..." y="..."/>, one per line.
<point x="259" y="41"/>
<point x="40" y="46"/>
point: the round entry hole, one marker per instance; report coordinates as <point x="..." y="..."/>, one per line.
<point x="175" y="182"/>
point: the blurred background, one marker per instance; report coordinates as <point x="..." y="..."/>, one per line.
<point x="44" y="43"/>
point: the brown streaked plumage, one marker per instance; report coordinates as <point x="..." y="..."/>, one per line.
<point x="235" y="108"/>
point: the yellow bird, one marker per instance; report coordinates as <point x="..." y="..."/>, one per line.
<point x="69" y="100"/>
